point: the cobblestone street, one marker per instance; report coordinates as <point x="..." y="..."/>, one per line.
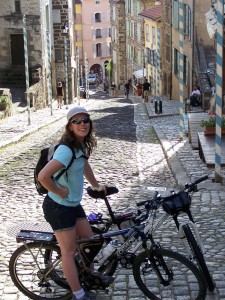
<point x="130" y="156"/>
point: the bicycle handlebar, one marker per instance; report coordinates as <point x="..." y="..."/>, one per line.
<point x="156" y="197"/>
<point x="201" y="179"/>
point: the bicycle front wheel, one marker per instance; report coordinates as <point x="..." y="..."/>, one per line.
<point x="198" y="255"/>
<point x="36" y="276"/>
<point x="165" y="274"/>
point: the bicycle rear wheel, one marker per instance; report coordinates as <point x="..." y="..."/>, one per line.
<point x="168" y="275"/>
<point x="198" y="256"/>
<point x="37" y="277"/>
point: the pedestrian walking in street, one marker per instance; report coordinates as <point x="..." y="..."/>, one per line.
<point x="146" y="90"/>
<point x="113" y="89"/>
<point x="62" y="206"/>
<point x="106" y="86"/>
<point x="97" y="84"/>
<point x="195" y="96"/>
<point x="60" y="93"/>
<point x="127" y="88"/>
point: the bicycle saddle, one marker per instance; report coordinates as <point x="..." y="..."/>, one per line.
<point x="96" y="195"/>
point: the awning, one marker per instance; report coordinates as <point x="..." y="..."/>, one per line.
<point x="139" y="73"/>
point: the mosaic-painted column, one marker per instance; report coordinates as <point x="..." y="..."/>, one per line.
<point x="181" y="67"/>
<point x="219" y="87"/>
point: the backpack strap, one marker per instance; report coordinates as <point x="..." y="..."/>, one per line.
<point x="69" y="165"/>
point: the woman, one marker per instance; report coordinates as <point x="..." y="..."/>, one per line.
<point x="60" y="93"/>
<point x="62" y="208"/>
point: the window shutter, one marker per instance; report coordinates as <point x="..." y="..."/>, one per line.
<point x="189" y="25"/>
<point x="93" y="18"/>
<point x="175" y="14"/>
<point x="94" y="50"/>
<point x="93" y="34"/>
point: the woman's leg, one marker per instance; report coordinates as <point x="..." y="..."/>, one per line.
<point x="67" y="243"/>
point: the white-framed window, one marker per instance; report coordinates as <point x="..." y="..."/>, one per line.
<point x="147" y="37"/>
<point x="175" y="14"/>
<point x="98" y="33"/>
<point x="97" y="1"/>
<point x="97" y="18"/>
<point x="187" y="21"/>
<point x="98" y="49"/>
<point x="153" y="36"/>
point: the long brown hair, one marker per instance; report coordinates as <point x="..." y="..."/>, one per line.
<point x="89" y="142"/>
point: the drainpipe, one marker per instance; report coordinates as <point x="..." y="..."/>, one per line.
<point x="171" y="45"/>
<point x="193" y="49"/>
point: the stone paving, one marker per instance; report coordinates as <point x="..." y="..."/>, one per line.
<point x="130" y="156"/>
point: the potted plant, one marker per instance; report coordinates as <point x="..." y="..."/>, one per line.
<point x="210" y="125"/>
<point x="5" y="103"/>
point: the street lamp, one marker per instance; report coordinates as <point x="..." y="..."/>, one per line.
<point x="86" y="76"/>
<point x="66" y="69"/>
<point x="78" y="76"/>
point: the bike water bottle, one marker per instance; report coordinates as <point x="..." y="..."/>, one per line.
<point x="107" y="251"/>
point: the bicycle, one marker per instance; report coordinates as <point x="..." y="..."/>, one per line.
<point x="100" y="224"/>
<point x="192" y="242"/>
<point x="35" y="267"/>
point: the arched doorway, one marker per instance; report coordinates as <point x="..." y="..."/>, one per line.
<point x="95" y="69"/>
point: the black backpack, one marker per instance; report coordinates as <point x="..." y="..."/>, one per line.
<point x="45" y="156"/>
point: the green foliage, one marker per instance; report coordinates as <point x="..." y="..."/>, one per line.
<point x="109" y="68"/>
<point x="5" y="102"/>
<point x="211" y="122"/>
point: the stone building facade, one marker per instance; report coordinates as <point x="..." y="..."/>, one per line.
<point x="12" y="60"/>
<point x="195" y="40"/>
<point x="126" y="23"/>
<point x="118" y="26"/>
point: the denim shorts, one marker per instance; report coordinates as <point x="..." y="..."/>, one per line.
<point x="61" y="217"/>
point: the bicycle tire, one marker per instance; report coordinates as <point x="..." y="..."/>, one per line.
<point x="184" y="277"/>
<point x="27" y="275"/>
<point x="198" y="255"/>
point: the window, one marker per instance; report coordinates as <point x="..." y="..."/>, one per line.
<point x="109" y="31"/>
<point x="98" y="50"/>
<point x="187" y="21"/>
<point x="147" y="33"/>
<point x="58" y="55"/>
<point x="186" y="70"/>
<point x="17" y="7"/>
<point x="97" y="1"/>
<point x="168" y="53"/>
<point x="153" y="36"/>
<point x="97" y="17"/>
<point x="98" y="33"/>
<point x="175" y="14"/>
<point x="175" y="61"/>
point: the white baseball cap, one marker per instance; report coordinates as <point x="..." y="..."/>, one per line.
<point x="75" y="111"/>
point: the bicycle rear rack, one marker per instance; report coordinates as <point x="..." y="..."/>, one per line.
<point x="40" y="236"/>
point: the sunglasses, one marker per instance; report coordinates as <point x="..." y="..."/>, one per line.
<point x="79" y="120"/>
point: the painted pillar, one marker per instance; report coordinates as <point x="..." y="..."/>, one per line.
<point x="219" y="87"/>
<point x="181" y="67"/>
<point x="158" y="62"/>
